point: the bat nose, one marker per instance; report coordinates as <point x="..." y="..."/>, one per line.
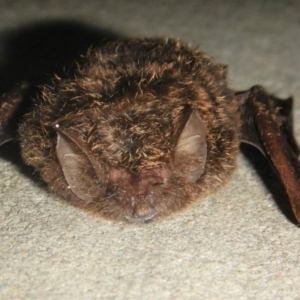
<point x="146" y="218"/>
<point x="142" y="209"/>
<point x="144" y="214"/>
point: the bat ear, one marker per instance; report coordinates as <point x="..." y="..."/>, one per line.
<point x="76" y="165"/>
<point x="191" y="148"/>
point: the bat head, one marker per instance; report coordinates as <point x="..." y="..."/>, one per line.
<point x="142" y="128"/>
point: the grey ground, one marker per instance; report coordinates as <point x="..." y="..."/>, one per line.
<point x="239" y="243"/>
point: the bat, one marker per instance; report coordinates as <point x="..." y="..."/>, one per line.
<point x="144" y="127"/>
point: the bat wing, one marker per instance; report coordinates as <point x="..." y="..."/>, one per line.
<point x="9" y="106"/>
<point x="267" y="125"/>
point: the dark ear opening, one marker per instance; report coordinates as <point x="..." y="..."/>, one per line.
<point x="76" y="165"/>
<point x="191" y="148"/>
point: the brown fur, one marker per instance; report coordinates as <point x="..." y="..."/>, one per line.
<point x="125" y="102"/>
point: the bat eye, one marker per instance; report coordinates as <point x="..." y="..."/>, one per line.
<point x="157" y="183"/>
<point x="154" y="177"/>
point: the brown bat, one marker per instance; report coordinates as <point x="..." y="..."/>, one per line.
<point x="144" y="127"/>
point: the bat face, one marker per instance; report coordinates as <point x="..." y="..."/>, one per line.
<point x="138" y="181"/>
<point x="146" y="127"/>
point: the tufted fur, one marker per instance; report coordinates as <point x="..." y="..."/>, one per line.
<point x="125" y="102"/>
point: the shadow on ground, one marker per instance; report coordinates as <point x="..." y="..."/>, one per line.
<point x="270" y="179"/>
<point x="37" y="51"/>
